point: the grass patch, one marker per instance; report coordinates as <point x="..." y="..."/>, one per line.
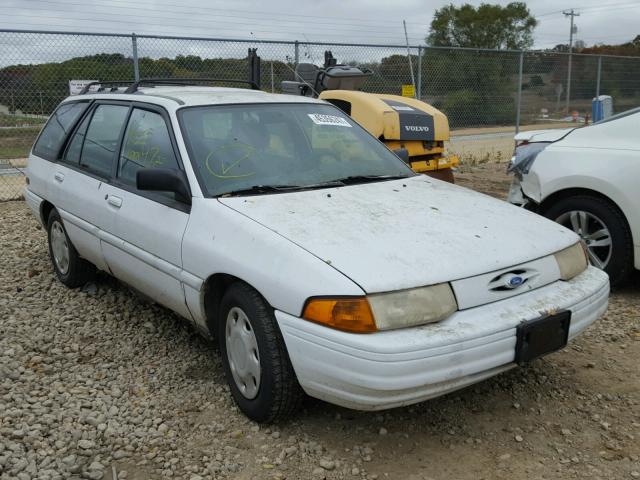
<point x="16" y="142"/>
<point x="19" y="120"/>
<point x="14" y="152"/>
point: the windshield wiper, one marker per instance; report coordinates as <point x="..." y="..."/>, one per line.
<point x="338" y="182"/>
<point x="257" y="189"/>
<point x="261" y="189"/>
<point x="353" y="179"/>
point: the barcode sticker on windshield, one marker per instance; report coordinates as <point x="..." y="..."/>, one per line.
<point x="322" y="119"/>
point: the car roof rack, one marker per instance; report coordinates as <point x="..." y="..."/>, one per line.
<point x="133" y="85"/>
<point x="118" y="83"/>
<point x="151" y="82"/>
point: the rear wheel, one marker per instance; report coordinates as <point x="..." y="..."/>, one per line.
<point x="70" y="268"/>
<point x="255" y="359"/>
<point x="604" y="230"/>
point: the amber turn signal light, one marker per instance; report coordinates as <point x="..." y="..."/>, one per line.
<point x="347" y="314"/>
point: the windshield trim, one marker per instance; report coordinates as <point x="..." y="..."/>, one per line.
<point x="201" y="183"/>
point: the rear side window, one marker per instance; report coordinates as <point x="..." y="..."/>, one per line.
<point x="75" y="145"/>
<point x="147" y="144"/>
<point x="57" y="128"/>
<point x="101" y="140"/>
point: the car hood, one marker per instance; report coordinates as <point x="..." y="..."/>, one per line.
<point x="551" y="135"/>
<point x="406" y="233"/>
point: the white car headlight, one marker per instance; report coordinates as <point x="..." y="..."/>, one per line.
<point x="572" y="261"/>
<point x="409" y="308"/>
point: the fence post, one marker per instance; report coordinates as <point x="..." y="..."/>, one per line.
<point x="134" y="48"/>
<point x="296" y="55"/>
<point x="599" y="73"/>
<point x="519" y="105"/>
<point x="419" y="81"/>
<point x="569" y="82"/>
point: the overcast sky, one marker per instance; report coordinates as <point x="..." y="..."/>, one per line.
<point x="361" y="21"/>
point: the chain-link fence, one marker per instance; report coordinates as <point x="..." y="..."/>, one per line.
<point x="482" y="90"/>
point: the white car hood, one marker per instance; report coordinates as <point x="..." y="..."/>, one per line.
<point x="552" y="135"/>
<point x="406" y="233"/>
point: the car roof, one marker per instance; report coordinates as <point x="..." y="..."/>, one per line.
<point x="196" y="96"/>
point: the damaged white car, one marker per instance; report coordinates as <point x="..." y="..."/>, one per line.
<point x="278" y="225"/>
<point x="587" y="180"/>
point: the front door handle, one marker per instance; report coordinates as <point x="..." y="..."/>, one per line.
<point x="59" y="176"/>
<point x="115" y="201"/>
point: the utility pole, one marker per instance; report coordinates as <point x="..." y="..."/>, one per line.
<point x="406" y="37"/>
<point x="570" y="13"/>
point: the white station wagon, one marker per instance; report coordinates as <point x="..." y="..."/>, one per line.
<point x="315" y="256"/>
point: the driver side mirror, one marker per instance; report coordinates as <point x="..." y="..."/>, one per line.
<point x="164" y="180"/>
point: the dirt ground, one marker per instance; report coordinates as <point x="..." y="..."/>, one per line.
<point x="11" y="186"/>
<point x="96" y="380"/>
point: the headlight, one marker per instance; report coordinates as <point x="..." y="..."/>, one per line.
<point x="524" y="156"/>
<point x="383" y="311"/>
<point x="572" y="261"/>
<point x="408" y="308"/>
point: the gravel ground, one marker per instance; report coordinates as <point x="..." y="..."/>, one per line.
<point x="96" y="381"/>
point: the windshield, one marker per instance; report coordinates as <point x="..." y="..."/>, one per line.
<point x="238" y="148"/>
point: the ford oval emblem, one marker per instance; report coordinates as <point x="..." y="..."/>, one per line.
<point x="516" y="281"/>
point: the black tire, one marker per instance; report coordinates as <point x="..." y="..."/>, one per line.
<point x="279" y="393"/>
<point x="79" y="270"/>
<point x="620" y="264"/>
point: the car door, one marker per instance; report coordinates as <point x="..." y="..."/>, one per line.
<point x="81" y="175"/>
<point x="144" y="245"/>
<point x="49" y="146"/>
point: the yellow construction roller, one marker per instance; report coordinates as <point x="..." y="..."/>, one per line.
<point x="412" y="128"/>
<point x="401" y="123"/>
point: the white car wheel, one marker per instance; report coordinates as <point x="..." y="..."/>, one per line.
<point x="242" y="353"/>
<point x="603" y="228"/>
<point x="254" y="355"/>
<point x="593" y="232"/>
<point x="71" y="269"/>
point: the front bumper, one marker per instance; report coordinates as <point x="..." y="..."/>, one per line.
<point x="400" y="367"/>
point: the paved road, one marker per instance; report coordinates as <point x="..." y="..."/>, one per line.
<point x="483" y="136"/>
<point x="10" y="170"/>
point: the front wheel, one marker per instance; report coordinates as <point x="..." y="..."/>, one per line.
<point x="603" y="229"/>
<point x="255" y="359"/>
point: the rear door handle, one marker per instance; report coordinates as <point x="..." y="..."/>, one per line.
<point x="115" y="201"/>
<point x="59" y="176"/>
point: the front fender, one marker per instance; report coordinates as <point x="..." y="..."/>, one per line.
<point x="608" y="172"/>
<point x="220" y="240"/>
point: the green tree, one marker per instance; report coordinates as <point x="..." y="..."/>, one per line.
<point x="487" y="26"/>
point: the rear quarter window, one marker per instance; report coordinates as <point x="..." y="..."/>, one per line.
<point x="55" y="132"/>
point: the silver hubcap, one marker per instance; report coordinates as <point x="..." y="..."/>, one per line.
<point x="60" y="247"/>
<point x="242" y="353"/>
<point x="593" y="232"/>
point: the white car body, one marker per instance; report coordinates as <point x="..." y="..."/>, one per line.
<point x="603" y="159"/>
<point x="342" y="241"/>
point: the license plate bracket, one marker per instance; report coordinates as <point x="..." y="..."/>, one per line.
<point x="544" y="335"/>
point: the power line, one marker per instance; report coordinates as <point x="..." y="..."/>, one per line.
<point x="582" y="9"/>
<point x="244" y="13"/>
<point x="211" y="13"/>
<point x="206" y="26"/>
